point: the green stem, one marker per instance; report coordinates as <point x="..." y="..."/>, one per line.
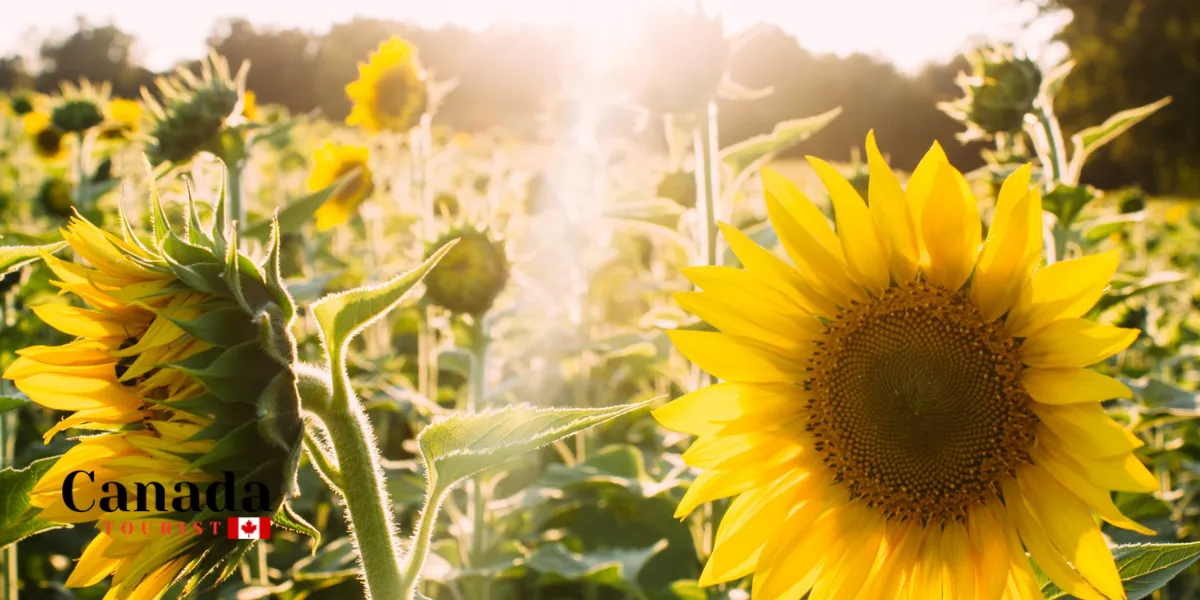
<point x="322" y="463"/>
<point x="421" y="540"/>
<point x="367" y="505"/>
<point x="8" y="577"/>
<point x="477" y="400"/>
<point x="1056" y="161"/>
<point x="264" y="578"/>
<point x="82" y="181"/>
<point x="235" y="210"/>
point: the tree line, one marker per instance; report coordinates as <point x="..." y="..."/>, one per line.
<point x="509" y="76"/>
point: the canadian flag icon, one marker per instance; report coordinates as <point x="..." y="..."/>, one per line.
<point x="248" y="528"/>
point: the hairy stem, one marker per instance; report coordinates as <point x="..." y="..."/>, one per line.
<point x="322" y="463"/>
<point x="235" y="210"/>
<point x="476" y="491"/>
<point x="367" y="504"/>
<point x="421" y="540"/>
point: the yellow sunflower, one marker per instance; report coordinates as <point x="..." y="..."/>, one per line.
<point x="390" y="93"/>
<point x="332" y="163"/>
<point x="127" y="113"/>
<point x="906" y="410"/>
<point x="48" y="141"/>
<point x="167" y="371"/>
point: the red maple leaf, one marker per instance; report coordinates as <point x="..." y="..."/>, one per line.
<point x="249" y="527"/>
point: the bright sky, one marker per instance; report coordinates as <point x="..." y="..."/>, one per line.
<point x="908" y="32"/>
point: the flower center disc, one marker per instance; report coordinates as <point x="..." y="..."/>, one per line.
<point x="393" y="91"/>
<point x="918" y="407"/>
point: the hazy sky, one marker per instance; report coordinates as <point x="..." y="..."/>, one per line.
<point x="908" y="32"/>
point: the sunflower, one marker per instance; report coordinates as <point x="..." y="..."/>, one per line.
<point x="47" y="139"/>
<point x="332" y="163"/>
<point x="390" y="93"/>
<point x="907" y="409"/>
<point x="167" y="372"/>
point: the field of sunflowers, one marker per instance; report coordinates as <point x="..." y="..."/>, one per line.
<point x="249" y="354"/>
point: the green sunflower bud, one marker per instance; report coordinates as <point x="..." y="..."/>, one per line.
<point x="202" y="376"/>
<point x="471" y="275"/>
<point x="999" y="92"/>
<point x="679" y="186"/>
<point x="194" y="112"/>
<point x="21" y="105"/>
<point x="54" y="196"/>
<point x="76" y="116"/>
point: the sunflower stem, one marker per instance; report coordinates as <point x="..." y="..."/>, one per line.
<point x="8" y="557"/>
<point x="82" y="198"/>
<point x="421" y="540"/>
<point x="477" y="400"/>
<point x="323" y="463"/>
<point x="235" y="210"/>
<point x="367" y="506"/>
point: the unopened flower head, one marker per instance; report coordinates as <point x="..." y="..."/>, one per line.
<point x="180" y="367"/>
<point x="79" y="108"/>
<point x="192" y="111"/>
<point x="999" y="91"/>
<point x="470" y="276"/>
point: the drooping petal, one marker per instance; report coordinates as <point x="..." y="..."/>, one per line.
<point x="1096" y="498"/>
<point x="752" y="519"/>
<point x="707" y="410"/>
<point x="1123" y="472"/>
<point x="789" y="331"/>
<point x="1040" y="547"/>
<point x="1071" y="529"/>
<point x="821" y="268"/>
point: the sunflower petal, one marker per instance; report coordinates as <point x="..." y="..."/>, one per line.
<point x="951" y="229"/>
<point x="737" y="359"/>
<point x="893" y="220"/>
<point x="1063" y="290"/>
<point x="1071" y="386"/>
<point x="1075" y="343"/>
<point x="860" y="241"/>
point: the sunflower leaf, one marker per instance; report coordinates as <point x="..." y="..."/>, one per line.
<point x="747" y="154"/>
<point x="1091" y="139"/>
<point x="288" y="519"/>
<point x="1144" y="568"/>
<point x="616" y="568"/>
<point x="8" y="403"/>
<point x="18" y="518"/>
<point x="15" y="257"/>
<point x="341" y="316"/>
<point x="293" y="216"/>
<point x="463" y="445"/>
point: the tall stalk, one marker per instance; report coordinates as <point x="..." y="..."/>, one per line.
<point x="8" y="439"/>
<point x="421" y="146"/>
<point x="476" y="492"/>
<point x="82" y="199"/>
<point x="233" y="188"/>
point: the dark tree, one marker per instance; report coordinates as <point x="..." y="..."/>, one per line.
<point x="282" y="61"/>
<point x="99" y="53"/>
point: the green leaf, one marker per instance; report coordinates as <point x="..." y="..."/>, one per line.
<point x="1144" y="568"/>
<point x="15" y="257"/>
<point x="743" y="156"/>
<point x="8" y="403"/>
<point x="336" y="560"/>
<point x="288" y="519"/>
<point x="1089" y="140"/>
<point x="1065" y="202"/>
<point x="462" y="445"/>
<point x="1053" y="80"/>
<point x="293" y="216"/>
<point x="341" y="316"/>
<point x="18" y="519"/>
<point x="617" y="568"/>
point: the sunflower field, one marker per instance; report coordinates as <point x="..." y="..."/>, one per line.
<point x="252" y="354"/>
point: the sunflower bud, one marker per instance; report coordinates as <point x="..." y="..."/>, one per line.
<point x="679" y="186"/>
<point x="21" y="105"/>
<point x="391" y="92"/>
<point x="76" y="116"/>
<point x="684" y="58"/>
<point x="194" y="112"/>
<point x="54" y="196"/>
<point x="999" y="92"/>
<point x="185" y="361"/>
<point x="470" y="276"/>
